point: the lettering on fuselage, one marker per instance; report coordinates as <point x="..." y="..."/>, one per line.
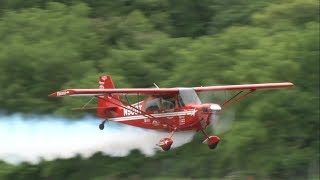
<point x="129" y="110"/>
<point x="147" y="120"/>
<point x="155" y="123"/>
<point x="62" y="93"/>
<point x="182" y="120"/>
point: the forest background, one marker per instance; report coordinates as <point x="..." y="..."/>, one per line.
<point x="48" y="45"/>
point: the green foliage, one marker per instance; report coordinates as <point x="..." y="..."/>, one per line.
<point x="41" y="50"/>
<point x="50" y="45"/>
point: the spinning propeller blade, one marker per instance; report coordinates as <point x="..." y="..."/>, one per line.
<point x="222" y="122"/>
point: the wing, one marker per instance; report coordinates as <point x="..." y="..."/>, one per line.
<point x="244" y="90"/>
<point x="126" y="91"/>
<point x="162" y="91"/>
<point x="243" y="87"/>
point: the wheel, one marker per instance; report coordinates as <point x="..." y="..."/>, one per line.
<point x="213" y="146"/>
<point x="101" y="126"/>
<point x="165" y="144"/>
<point x="166" y="148"/>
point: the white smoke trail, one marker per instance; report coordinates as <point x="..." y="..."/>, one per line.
<point x="45" y="137"/>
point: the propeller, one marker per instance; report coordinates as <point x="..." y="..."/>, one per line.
<point x="221" y="121"/>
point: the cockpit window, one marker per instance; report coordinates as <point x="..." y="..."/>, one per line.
<point x="188" y="96"/>
<point x="180" y="101"/>
<point x="168" y="103"/>
<point x="153" y="105"/>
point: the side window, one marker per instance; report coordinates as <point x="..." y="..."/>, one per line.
<point x="168" y="103"/>
<point x="180" y="101"/>
<point x="153" y="105"/>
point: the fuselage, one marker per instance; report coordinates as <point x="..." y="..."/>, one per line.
<point x="183" y="111"/>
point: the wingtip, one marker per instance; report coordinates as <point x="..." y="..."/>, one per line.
<point x="53" y="94"/>
<point x="290" y="84"/>
<point x="61" y="93"/>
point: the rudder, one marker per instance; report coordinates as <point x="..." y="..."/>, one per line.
<point x="107" y="104"/>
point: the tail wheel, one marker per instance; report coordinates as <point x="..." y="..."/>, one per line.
<point x="101" y="126"/>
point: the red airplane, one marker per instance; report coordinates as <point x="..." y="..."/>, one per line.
<point x="166" y="109"/>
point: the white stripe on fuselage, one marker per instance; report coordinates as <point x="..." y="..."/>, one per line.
<point x="158" y="115"/>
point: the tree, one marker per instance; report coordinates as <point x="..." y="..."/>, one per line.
<point x="47" y="48"/>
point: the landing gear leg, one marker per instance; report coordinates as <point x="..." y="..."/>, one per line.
<point x="166" y="143"/>
<point x="211" y="141"/>
<point x="101" y="126"/>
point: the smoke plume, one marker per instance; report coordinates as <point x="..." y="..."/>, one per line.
<point x="34" y="138"/>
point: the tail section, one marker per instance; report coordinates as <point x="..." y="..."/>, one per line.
<point x="107" y="104"/>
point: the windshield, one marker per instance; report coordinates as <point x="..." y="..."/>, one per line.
<point x="188" y="96"/>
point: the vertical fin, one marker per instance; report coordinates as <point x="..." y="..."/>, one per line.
<point x="106" y="103"/>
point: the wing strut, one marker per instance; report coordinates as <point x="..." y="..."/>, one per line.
<point x="232" y="102"/>
<point x="87" y="103"/>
